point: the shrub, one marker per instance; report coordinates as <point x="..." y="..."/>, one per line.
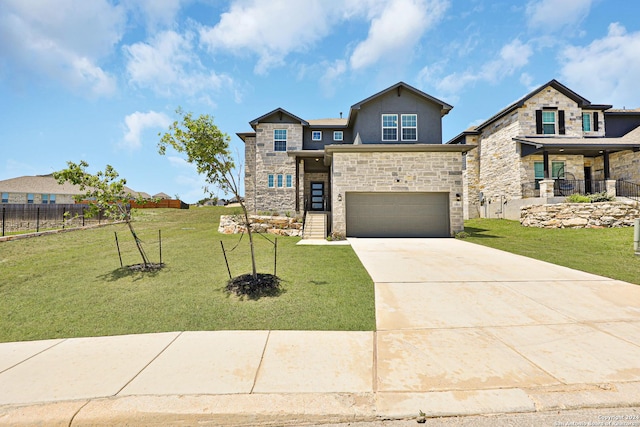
<point x="601" y="197"/>
<point x="335" y="236"/>
<point x="578" y="198"/>
<point x="462" y="235"/>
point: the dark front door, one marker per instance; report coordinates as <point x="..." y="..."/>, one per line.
<point x="587" y="179"/>
<point x="317" y="196"/>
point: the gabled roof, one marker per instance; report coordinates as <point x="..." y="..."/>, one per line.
<point x="329" y="123"/>
<point x="400" y="86"/>
<point x="45" y="184"/>
<point x="280" y="111"/>
<point x="581" y="101"/>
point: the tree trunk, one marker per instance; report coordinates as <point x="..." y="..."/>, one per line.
<point x="145" y="261"/>
<point x="248" y="225"/>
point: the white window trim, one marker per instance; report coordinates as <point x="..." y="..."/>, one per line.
<point x="271" y="181"/>
<point x="388" y="127"/>
<point x="590" y="115"/>
<point x="286" y="136"/>
<point x="313" y="136"/>
<point x="288" y="181"/>
<point x="279" y="181"/>
<point x="338" y="132"/>
<point x="555" y="122"/>
<point x="409" y="127"/>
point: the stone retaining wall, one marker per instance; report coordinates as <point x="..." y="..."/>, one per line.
<point x="580" y="215"/>
<point x="279" y="225"/>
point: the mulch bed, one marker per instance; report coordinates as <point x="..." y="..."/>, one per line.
<point x="262" y="285"/>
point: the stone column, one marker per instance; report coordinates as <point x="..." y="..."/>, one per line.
<point x="546" y="188"/>
<point x="610" y="184"/>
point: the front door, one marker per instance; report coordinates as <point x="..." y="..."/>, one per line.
<point x="587" y="179"/>
<point x="317" y="196"/>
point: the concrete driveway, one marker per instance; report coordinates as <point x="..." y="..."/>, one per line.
<point x="460" y="325"/>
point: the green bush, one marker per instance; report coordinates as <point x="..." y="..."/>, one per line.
<point x="578" y="198"/>
<point x="601" y="197"/>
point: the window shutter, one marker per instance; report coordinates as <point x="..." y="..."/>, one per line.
<point x="539" y="122"/>
<point x="595" y="121"/>
<point x="561" y="130"/>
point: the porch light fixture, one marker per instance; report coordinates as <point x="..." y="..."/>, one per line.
<point x="339" y="197"/>
<point x="562" y="150"/>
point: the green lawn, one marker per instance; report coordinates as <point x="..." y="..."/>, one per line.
<point x="606" y="251"/>
<point x="71" y="284"/>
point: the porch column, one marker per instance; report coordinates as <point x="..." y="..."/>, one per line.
<point x="610" y="185"/>
<point x="545" y="160"/>
<point x="546" y="188"/>
<point x="606" y="165"/>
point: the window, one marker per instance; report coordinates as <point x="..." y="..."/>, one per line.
<point x="279" y="140"/>
<point x="316" y="135"/>
<point x="389" y="127"/>
<point x="52" y="199"/>
<point x="409" y="127"/>
<point x="45" y="199"/>
<point x="549" y="122"/>
<point x="337" y="135"/>
<point x="279" y="180"/>
<point x="5" y="197"/>
<point x="271" y="181"/>
<point x="586" y="122"/>
<point x="289" y="181"/>
<point x="557" y="171"/>
<point x="30" y="198"/>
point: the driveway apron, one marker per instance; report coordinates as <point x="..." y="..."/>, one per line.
<point x="463" y="327"/>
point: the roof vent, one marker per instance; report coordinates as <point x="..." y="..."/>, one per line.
<point x="340" y="114"/>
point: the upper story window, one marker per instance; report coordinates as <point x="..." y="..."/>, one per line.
<point x="590" y="122"/>
<point x="316" y="135"/>
<point x="409" y="127"/>
<point x="45" y="199"/>
<point x="279" y="140"/>
<point x="338" y="135"/>
<point x="389" y="127"/>
<point x="550" y="122"/>
<point x="30" y="198"/>
<point x="52" y="199"/>
<point x="5" y="197"/>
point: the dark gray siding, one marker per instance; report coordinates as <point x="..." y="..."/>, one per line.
<point x="327" y="138"/>
<point x="368" y="122"/>
<point x="618" y="124"/>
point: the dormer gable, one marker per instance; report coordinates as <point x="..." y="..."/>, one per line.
<point x="279" y="115"/>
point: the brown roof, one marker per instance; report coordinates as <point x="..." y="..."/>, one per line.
<point x="623" y="110"/>
<point x="45" y="184"/>
<point x="328" y="122"/>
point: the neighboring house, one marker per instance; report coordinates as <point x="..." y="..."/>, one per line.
<point x="44" y="189"/>
<point x="545" y="146"/>
<point x="382" y="171"/>
<point x="39" y="189"/>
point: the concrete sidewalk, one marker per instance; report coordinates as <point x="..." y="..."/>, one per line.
<point x="461" y="330"/>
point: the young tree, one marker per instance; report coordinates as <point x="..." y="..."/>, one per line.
<point x="208" y="148"/>
<point x="104" y="193"/>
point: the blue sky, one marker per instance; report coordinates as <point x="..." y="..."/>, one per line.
<point x="97" y="80"/>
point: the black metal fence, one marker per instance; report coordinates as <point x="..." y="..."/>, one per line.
<point x="567" y="187"/>
<point x="628" y="189"/>
<point x="26" y="218"/>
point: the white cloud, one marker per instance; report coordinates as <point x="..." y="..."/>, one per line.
<point x="136" y="123"/>
<point x="156" y="13"/>
<point x="396" y="30"/>
<point x="168" y="65"/>
<point x="512" y="57"/>
<point x="554" y="15"/>
<point x="607" y="69"/>
<point x="333" y="71"/>
<point x="62" y="40"/>
<point x="272" y="30"/>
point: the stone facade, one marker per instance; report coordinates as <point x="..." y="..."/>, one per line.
<point x="503" y="173"/>
<point x="270" y="162"/>
<point x="580" y="215"/>
<point x="397" y="172"/>
<point x="625" y="165"/>
<point x="61" y="199"/>
<point x="471" y="179"/>
<point x="279" y="225"/>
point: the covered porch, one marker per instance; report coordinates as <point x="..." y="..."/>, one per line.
<point x="565" y="166"/>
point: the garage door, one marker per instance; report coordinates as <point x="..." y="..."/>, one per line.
<point x="397" y="214"/>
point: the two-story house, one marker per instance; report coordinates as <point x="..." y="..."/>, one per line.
<point x="382" y="171"/>
<point x="547" y="145"/>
